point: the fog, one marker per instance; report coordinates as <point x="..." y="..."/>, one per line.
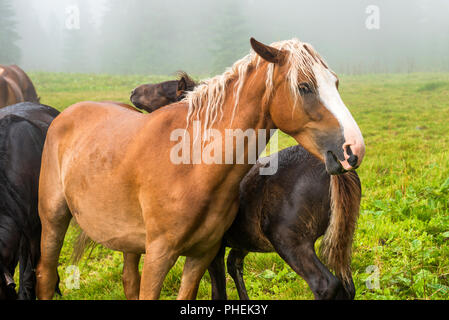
<point x="204" y="37"/>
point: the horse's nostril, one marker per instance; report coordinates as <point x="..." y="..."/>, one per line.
<point x="353" y="159"/>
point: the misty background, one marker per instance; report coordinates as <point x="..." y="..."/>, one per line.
<point x="203" y="37"/>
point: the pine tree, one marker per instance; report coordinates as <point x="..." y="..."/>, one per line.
<point x="9" y="50"/>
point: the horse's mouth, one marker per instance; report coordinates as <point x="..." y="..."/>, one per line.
<point x="333" y="165"/>
<point x="138" y="104"/>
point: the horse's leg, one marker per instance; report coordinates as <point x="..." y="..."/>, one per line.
<point x="349" y="291"/>
<point x="131" y="276"/>
<point x="27" y="287"/>
<point x="301" y="257"/>
<point x="27" y="266"/>
<point x="217" y="272"/>
<point x="158" y="261"/>
<point x="55" y="218"/>
<point x="235" y="269"/>
<point x="194" y="269"/>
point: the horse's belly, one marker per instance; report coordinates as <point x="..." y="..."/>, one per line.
<point x="126" y="235"/>
<point x="113" y="221"/>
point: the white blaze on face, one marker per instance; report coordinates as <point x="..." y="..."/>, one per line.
<point x="330" y="98"/>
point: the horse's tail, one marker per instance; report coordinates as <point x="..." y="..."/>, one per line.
<point x="81" y="244"/>
<point x="336" y="248"/>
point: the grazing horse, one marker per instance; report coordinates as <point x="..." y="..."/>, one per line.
<point x="286" y="213"/>
<point x="150" y="97"/>
<point x="15" y="86"/>
<point x="23" y="128"/>
<point x="136" y="199"/>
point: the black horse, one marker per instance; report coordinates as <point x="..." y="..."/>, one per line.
<point x="286" y="213"/>
<point x="23" y="128"/>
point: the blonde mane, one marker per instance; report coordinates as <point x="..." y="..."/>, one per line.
<point x="210" y="95"/>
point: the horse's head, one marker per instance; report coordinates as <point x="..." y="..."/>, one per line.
<point x="305" y="104"/>
<point x="150" y="97"/>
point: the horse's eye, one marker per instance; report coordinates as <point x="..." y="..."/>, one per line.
<point x="305" y="88"/>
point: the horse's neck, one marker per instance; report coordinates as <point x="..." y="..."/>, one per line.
<point x="250" y="112"/>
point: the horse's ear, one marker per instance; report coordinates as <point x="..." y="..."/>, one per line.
<point x="182" y="84"/>
<point x="268" y="53"/>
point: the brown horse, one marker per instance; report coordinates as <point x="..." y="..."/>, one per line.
<point x="264" y="216"/>
<point x="97" y="166"/>
<point x="15" y="86"/>
<point x="150" y="97"/>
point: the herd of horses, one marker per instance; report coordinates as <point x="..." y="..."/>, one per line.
<point x="106" y="165"/>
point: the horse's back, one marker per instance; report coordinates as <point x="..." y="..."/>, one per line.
<point x="40" y="115"/>
<point x="297" y="171"/>
<point x="22" y="142"/>
<point x="86" y="120"/>
<point x="23" y="129"/>
<point x="300" y="184"/>
<point x="29" y="110"/>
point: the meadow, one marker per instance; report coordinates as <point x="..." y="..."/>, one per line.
<point x="401" y="246"/>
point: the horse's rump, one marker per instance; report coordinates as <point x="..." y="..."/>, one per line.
<point x="3" y="91"/>
<point x="19" y="87"/>
<point x="94" y="142"/>
<point x="25" y="83"/>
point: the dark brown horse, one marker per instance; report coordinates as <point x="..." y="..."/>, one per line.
<point x="15" y="86"/>
<point x="150" y="97"/>
<point x="137" y="200"/>
<point x="286" y="213"/>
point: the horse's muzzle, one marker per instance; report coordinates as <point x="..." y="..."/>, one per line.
<point x="354" y="154"/>
<point x="333" y="165"/>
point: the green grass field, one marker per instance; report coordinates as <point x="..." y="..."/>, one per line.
<point x="402" y="238"/>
